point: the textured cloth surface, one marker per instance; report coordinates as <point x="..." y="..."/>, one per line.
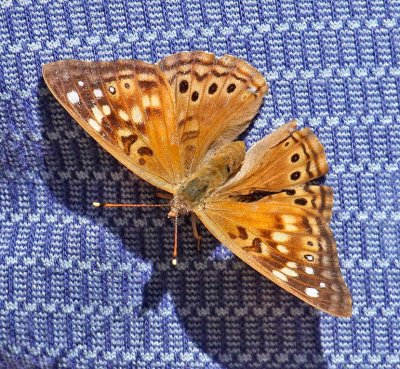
<point x="87" y="288"/>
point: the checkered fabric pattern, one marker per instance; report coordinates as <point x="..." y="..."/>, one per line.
<point x="88" y="288"/>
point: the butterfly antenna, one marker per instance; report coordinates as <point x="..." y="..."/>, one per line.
<point x="108" y="205"/>
<point x="175" y="252"/>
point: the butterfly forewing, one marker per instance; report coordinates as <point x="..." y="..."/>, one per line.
<point x="291" y="245"/>
<point x="127" y="106"/>
<point x="297" y="159"/>
<point x="215" y="101"/>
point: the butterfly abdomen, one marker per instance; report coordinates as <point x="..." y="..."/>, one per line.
<point x="210" y="175"/>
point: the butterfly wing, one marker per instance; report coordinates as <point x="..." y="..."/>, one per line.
<point x="284" y="235"/>
<point x="285" y="159"/>
<point x="288" y="242"/>
<point x="127" y="107"/>
<point x="215" y="100"/>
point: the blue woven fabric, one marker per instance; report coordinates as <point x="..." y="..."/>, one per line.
<point x="83" y="288"/>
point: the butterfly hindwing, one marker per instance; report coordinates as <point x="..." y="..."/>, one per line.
<point x="215" y="101"/>
<point x="127" y="107"/>
<point x="290" y="244"/>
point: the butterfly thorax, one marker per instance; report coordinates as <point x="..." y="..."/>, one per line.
<point x="208" y="177"/>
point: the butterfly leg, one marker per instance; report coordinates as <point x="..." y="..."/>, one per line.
<point x="196" y="234"/>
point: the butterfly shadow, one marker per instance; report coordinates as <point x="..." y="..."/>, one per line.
<point x="226" y="309"/>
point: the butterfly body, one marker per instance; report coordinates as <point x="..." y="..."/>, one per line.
<point x="210" y="176"/>
<point x="174" y="124"/>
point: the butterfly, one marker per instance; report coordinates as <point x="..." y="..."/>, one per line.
<point x="174" y="124"/>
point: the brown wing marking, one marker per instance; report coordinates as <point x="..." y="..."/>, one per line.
<point x="291" y="245"/>
<point x="127" y="107"/>
<point x="215" y="100"/>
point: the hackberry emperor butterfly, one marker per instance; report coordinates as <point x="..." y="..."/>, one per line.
<point x="173" y="124"/>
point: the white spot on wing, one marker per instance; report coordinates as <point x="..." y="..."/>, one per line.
<point x="124" y="132"/>
<point x="155" y="101"/>
<point x="279" y="275"/>
<point x="97" y="113"/>
<point x="95" y="125"/>
<point x="309" y="270"/>
<point x="309" y="257"/>
<point x="280" y="237"/>
<point x="282" y="249"/>
<point x="312" y="292"/>
<point x="146" y="101"/>
<point x="291" y="264"/>
<point x="291" y="228"/>
<point x="106" y="110"/>
<point x="137" y="114"/>
<point x="322" y="285"/>
<point x="289" y="219"/>
<point x="80" y="83"/>
<point x="264" y="249"/>
<point x="123" y="115"/>
<point x="289" y="271"/>
<point x="73" y="97"/>
<point x="98" y="93"/>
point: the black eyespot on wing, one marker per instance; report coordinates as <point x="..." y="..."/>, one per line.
<point x="183" y="86"/>
<point x="295" y="176"/>
<point x="112" y="90"/>
<point x="195" y="96"/>
<point x="213" y="88"/>
<point x="231" y="88"/>
<point x="300" y="201"/>
<point x="295" y="157"/>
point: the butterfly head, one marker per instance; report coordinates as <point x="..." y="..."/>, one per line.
<point x="190" y="194"/>
<point x="178" y="208"/>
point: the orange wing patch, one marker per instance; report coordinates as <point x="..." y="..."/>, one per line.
<point x="127" y="106"/>
<point x="215" y="101"/>
<point x="291" y="245"/>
